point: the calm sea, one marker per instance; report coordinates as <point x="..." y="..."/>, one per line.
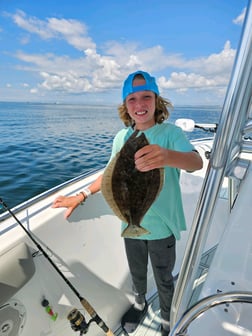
<point x="43" y="145"/>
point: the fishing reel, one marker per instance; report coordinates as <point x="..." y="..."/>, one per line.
<point x="78" y="322"/>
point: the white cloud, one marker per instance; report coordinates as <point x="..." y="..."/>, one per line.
<point x="240" y="18"/>
<point x="211" y="73"/>
<point x="50" y="63"/>
<point x="74" y="32"/>
<point x="32" y="25"/>
<point x="96" y="72"/>
<point x="90" y="74"/>
<point x="183" y="81"/>
<point x="215" y="64"/>
<point x="67" y="81"/>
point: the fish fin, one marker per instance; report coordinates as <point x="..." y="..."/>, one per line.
<point x="134" y="231"/>
<point x="106" y="188"/>
<point x="133" y="135"/>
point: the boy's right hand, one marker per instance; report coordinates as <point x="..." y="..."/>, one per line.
<point x="71" y="203"/>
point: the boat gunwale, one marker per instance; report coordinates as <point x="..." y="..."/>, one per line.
<point x="49" y="192"/>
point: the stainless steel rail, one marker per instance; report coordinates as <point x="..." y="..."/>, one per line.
<point x="205" y="304"/>
<point x="227" y="146"/>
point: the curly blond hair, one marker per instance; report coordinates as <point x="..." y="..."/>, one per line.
<point x="161" y="113"/>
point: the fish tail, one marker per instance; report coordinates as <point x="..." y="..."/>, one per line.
<point x="134" y="231"/>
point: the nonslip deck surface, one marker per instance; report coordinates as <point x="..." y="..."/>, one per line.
<point x="150" y="326"/>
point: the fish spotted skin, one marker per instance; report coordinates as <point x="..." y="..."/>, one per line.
<point x="129" y="192"/>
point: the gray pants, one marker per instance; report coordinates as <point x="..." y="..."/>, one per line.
<point x="162" y="254"/>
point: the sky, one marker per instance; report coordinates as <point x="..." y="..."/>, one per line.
<point x="82" y="51"/>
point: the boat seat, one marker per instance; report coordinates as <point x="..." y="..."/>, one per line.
<point x="17" y="268"/>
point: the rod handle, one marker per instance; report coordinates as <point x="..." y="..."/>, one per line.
<point x="96" y="317"/>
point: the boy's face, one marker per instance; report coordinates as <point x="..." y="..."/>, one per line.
<point x="141" y="106"/>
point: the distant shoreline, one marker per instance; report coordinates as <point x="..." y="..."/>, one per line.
<point x="100" y="105"/>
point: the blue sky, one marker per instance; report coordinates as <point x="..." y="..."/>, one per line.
<point x="81" y="51"/>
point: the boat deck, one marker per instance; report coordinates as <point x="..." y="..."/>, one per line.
<point x="151" y="324"/>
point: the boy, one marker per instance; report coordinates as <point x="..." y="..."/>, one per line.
<point x="145" y="110"/>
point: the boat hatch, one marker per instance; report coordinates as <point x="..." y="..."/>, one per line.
<point x="17" y="268"/>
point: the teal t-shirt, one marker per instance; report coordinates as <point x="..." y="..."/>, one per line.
<point x="166" y="216"/>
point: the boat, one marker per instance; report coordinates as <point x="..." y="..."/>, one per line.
<point x="70" y="277"/>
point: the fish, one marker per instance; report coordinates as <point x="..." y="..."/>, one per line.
<point x="128" y="191"/>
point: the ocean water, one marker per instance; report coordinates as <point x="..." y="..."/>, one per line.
<point x="43" y="145"/>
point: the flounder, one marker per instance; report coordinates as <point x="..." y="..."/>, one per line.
<point x="129" y="192"/>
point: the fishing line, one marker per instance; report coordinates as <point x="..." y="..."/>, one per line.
<point x="74" y="316"/>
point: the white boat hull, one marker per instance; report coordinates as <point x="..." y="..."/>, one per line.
<point x="87" y="249"/>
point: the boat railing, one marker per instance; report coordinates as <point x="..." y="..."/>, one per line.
<point x="47" y="193"/>
<point x="229" y="144"/>
<point x="180" y="329"/>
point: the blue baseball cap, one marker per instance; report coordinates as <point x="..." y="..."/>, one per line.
<point x="150" y="84"/>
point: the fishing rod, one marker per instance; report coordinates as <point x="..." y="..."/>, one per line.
<point x="76" y="319"/>
<point x="188" y="125"/>
<point x="207" y="127"/>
